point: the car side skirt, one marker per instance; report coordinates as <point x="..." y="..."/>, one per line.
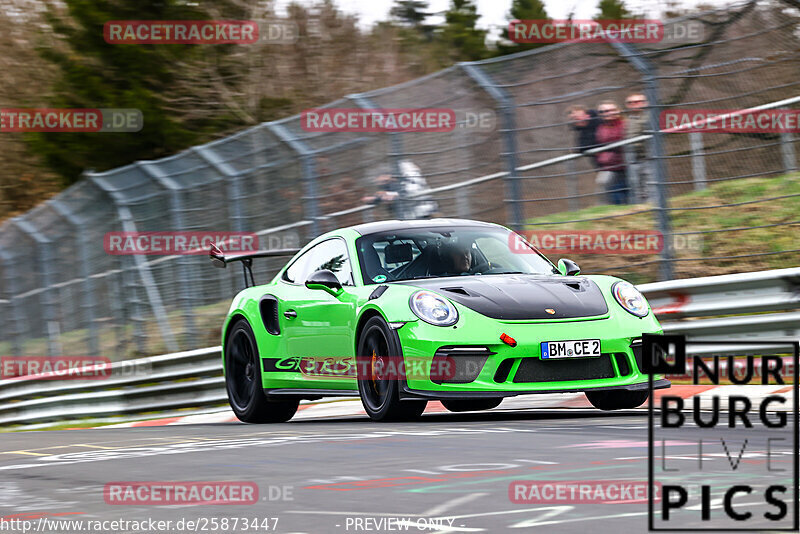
<point x="309" y="394"/>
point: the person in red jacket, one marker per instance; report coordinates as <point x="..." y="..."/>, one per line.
<point x="611" y="130"/>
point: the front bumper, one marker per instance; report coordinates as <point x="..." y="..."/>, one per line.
<point x="500" y="370"/>
<point x="408" y="393"/>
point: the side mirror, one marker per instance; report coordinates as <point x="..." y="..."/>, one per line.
<point x="325" y="280"/>
<point x="568" y="267"/>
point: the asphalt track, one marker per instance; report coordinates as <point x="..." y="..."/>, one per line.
<point x="447" y="471"/>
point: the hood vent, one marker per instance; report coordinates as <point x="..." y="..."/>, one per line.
<point x="457" y="290"/>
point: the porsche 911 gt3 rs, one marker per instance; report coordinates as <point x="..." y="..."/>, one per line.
<point x="403" y="312"/>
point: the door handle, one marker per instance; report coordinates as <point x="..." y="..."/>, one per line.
<point x="290" y="314"/>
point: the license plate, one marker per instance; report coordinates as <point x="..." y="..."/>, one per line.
<point x="582" y="348"/>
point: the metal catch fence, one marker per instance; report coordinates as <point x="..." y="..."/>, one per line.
<point x="735" y="194"/>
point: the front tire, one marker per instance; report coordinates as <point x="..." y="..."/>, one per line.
<point x="243" y="380"/>
<point x="378" y="349"/>
<point x="616" y="399"/>
<point x="471" y="405"/>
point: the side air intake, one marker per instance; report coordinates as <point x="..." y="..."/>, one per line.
<point x="269" y="314"/>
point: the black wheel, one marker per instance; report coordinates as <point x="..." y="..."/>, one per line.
<point x="616" y="399"/>
<point x="243" y="380"/>
<point x="378" y="358"/>
<point x="471" y="405"/>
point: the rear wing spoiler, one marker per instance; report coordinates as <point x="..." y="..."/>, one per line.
<point x="219" y="259"/>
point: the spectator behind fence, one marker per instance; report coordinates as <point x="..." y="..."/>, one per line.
<point x="585" y="123"/>
<point x="399" y="193"/>
<point x="611" y="130"/>
<point x="640" y="170"/>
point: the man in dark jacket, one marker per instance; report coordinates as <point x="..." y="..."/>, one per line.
<point x="611" y="130"/>
<point x="585" y="123"/>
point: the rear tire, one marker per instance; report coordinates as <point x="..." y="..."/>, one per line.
<point x="471" y="405"/>
<point x="379" y="347"/>
<point x="243" y="380"/>
<point x="616" y="399"/>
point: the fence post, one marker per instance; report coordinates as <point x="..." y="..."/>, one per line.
<point x="505" y="105"/>
<point x="647" y="70"/>
<point x="787" y="150"/>
<point x="176" y="215"/>
<point x="698" y="160"/>
<point x="47" y="303"/>
<point x="572" y="184"/>
<point x="116" y="287"/>
<point x="149" y="284"/>
<point x="233" y="199"/>
<point x="88" y="301"/>
<point x="309" y="173"/>
<point x="14" y="317"/>
<point x="232" y="184"/>
<point x="395" y="147"/>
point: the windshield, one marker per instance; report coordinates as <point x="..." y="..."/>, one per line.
<point x="446" y="251"/>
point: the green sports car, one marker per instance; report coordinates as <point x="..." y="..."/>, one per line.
<point x="402" y="312"/>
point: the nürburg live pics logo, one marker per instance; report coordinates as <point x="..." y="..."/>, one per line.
<point x="723" y="450"/>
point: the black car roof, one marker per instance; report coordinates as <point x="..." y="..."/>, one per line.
<point x="386" y="226"/>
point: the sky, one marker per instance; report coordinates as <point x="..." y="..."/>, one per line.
<point x="494" y="12"/>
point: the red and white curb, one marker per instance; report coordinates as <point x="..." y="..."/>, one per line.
<point x="353" y="407"/>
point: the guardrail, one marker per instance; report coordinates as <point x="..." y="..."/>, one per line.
<point x="701" y="308"/>
<point x="713" y="307"/>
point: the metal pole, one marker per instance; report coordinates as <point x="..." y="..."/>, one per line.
<point x="572" y="185"/>
<point x="14" y="318"/>
<point x="787" y="151"/>
<point x="233" y="194"/>
<point x="309" y="173"/>
<point x="141" y="266"/>
<point x="45" y="266"/>
<point x="647" y="70"/>
<point x="176" y="215"/>
<point x="395" y="153"/>
<point x="88" y="295"/>
<point x="505" y="107"/>
<point x="698" y="160"/>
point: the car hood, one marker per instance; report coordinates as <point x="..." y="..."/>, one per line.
<point x="521" y="297"/>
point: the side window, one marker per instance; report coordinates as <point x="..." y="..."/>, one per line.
<point x="331" y="255"/>
<point x="296" y="271"/>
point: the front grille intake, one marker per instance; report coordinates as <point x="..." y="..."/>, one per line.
<point x="467" y="361"/>
<point x="538" y="370"/>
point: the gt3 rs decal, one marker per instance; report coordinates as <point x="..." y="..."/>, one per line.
<point x="281" y="365"/>
<point x="311" y="366"/>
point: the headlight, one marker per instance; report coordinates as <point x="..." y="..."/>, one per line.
<point x="630" y="299"/>
<point x="433" y="309"/>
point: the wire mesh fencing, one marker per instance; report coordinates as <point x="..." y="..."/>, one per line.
<point x="718" y="201"/>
